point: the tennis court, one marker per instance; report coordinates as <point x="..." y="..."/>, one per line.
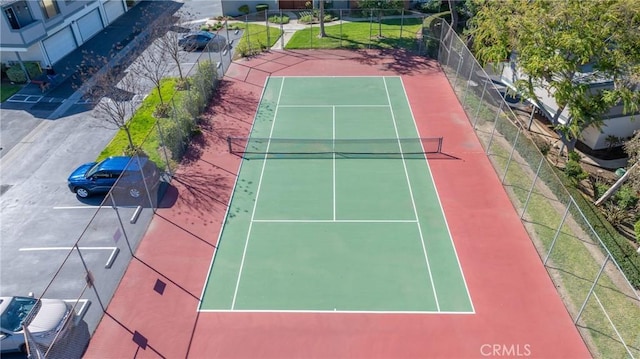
<point x="334" y="208"/>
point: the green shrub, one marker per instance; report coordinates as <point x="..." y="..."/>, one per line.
<point x="599" y="189"/>
<point x="636" y="229"/>
<point x="276" y="19"/>
<point x="574" y="172"/>
<point x="621" y="249"/>
<point x="305" y="19"/>
<point x="328" y="18"/>
<point x="244" y="9"/>
<point x="15" y="73"/>
<point x="626" y="198"/>
<point x="262" y="7"/>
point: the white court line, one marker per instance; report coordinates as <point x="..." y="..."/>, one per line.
<point x="413" y="202"/>
<point x="333" y="136"/>
<point x="386" y="312"/>
<point x="335" y="220"/>
<point x="226" y="213"/>
<point x="255" y="202"/>
<point x="322" y="106"/>
<point x="453" y="244"/>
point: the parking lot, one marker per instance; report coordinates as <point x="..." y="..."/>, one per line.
<point x="50" y="238"/>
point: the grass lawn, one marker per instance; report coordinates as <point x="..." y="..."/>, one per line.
<point x="573" y="266"/>
<point x="359" y="35"/>
<point x="142" y="126"/>
<point x="255" y="38"/>
<point x="7" y="90"/>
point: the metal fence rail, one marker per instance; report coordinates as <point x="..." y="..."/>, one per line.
<point x="604" y="305"/>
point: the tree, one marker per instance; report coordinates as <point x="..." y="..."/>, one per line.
<point x="632" y="148"/>
<point x="168" y="34"/>
<point x="321" y="18"/>
<point x="564" y="47"/>
<point x="115" y="95"/>
<point x="153" y="65"/>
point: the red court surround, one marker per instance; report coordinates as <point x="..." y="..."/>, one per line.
<point x="518" y="311"/>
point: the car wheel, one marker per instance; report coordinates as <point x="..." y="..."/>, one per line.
<point x="134" y="192"/>
<point x="82" y="192"/>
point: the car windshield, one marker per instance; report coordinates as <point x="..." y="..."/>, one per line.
<point x="92" y="170"/>
<point x="17" y="312"/>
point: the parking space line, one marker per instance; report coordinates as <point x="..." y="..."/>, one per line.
<point x="110" y="260"/>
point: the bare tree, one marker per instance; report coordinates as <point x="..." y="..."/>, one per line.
<point x="115" y="94"/>
<point x="168" y="33"/>
<point x="153" y="65"/>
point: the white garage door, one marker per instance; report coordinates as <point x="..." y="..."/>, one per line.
<point x="113" y="8"/>
<point x="90" y="24"/>
<point x="60" y="44"/>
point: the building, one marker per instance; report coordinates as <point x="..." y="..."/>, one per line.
<point x="617" y="126"/>
<point x="47" y="30"/>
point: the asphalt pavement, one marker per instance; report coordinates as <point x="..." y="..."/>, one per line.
<point x="43" y="137"/>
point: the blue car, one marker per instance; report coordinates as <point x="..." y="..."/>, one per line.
<point x="99" y="177"/>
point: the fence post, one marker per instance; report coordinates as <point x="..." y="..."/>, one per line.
<point x="341" y="28"/>
<point x="593" y="286"/>
<point x="533" y="184"/>
<point x="226" y="27"/>
<point x="266" y="23"/>
<point x="281" y="31"/>
<point x="164" y="149"/>
<point x="555" y="237"/>
<point x="246" y="30"/>
<point x="370" y="25"/>
<point x="401" y="22"/>
<point x="513" y="148"/>
<point x="495" y="124"/>
<point x="455" y="83"/>
<point x="469" y="81"/>
<point x="146" y="186"/>
<point x="124" y="232"/>
<point x="475" y="122"/>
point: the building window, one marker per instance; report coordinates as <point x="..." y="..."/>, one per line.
<point x="11" y="16"/>
<point x="49" y="8"/>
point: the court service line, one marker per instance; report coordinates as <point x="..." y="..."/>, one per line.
<point x="413" y="201"/>
<point x="433" y="182"/>
<point x="335" y="220"/>
<point x="255" y="203"/>
<point x="333" y="136"/>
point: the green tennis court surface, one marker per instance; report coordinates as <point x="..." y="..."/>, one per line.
<point x="310" y="230"/>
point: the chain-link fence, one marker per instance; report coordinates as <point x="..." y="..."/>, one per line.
<point x="94" y="266"/>
<point x="349" y="29"/>
<point x="603" y="303"/>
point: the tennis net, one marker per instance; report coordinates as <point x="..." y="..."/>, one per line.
<point x="299" y="146"/>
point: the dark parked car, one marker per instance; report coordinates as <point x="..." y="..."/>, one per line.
<point x="100" y="177"/>
<point x="199" y="40"/>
